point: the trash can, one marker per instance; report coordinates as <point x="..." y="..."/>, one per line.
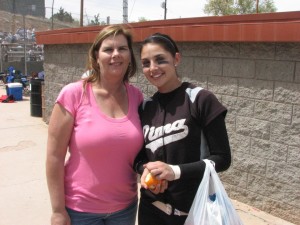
<point x="43" y="101"/>
<point x="36" y="97"/>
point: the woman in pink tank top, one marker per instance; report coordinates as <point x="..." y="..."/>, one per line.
<point x="96" y="121"/>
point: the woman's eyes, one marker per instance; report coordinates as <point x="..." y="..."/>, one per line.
<point x="112" y="49"/>
<point x="121" y="49"/>
<point x="107" y="49"/>
<point x="145" y="64"/>
<point x="158" y="61"/>
<point x="162" y="61"/>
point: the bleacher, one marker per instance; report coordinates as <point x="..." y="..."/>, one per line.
<point x="16" y="52"/>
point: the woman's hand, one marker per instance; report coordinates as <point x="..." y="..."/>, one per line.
<point x="60" y="218"/>
<point x="159" y="188"/>
<point x="160" y="170"/>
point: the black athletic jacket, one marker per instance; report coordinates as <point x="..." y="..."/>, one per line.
<point x="172" y="124"/>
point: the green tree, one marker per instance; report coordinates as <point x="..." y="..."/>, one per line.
<point x="63" y="16"/>
<point x="267" y="6"/>
<point x="142" y="19"/>
<point x="231" y="7"/>
<point x="245" y="7"/>
<point x="96" y="21"/>
<point x="219" y="7"/>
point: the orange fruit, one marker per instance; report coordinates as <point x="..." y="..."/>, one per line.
<point x="151" y="181"/>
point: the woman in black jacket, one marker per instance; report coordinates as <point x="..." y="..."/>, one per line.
<point x="173" y="120"/>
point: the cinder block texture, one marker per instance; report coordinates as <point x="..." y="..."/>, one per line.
<point x="259" y="83"/>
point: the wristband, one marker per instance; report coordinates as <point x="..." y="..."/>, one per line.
<point x="176" y="170"/>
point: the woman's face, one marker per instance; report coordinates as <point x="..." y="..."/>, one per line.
<point x="114" y="57"/>
<point x="159" y="67"/>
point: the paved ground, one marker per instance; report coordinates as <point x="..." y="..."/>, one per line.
<point x="23" y="191"/>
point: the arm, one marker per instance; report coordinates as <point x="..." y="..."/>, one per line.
<point x="139" y="161"/>
<point x="219" y="149"/>
<point x="218" y="143"/>
<point x="141" y="157"/>
<point x="59" y="132"/>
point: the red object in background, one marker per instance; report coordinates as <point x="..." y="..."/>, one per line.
<point x="7" y="99"/>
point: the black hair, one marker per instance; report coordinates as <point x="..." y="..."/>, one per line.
<point x="164" y="40"/>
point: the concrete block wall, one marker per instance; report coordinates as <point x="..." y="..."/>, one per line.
<point x="63" y="64"/>
<point x="259" y="83"/>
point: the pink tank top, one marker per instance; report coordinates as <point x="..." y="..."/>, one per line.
<point x="99" y="177"/>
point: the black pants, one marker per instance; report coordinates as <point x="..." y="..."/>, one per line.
<point x="149" y="214"/>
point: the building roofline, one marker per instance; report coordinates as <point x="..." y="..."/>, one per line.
<point x="265" y="27"/>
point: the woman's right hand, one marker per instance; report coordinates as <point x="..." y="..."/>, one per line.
<point x="160" y="188"/>
<point x="60" y="218"/>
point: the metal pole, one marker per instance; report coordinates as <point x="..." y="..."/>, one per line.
<point x="1" y="58"/>
<point x="25" y="58"/>
<point x="13" y="18"/>
<point x="52" y="15"/>
<point x="81" y="13"/>
<point x="125" y="11"/>
<point x="165" y="10"/>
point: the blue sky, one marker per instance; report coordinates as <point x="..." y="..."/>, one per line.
<point x="151" y="10"/>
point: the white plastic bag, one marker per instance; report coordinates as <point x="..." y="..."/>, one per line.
<point x="211" y="205"/>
